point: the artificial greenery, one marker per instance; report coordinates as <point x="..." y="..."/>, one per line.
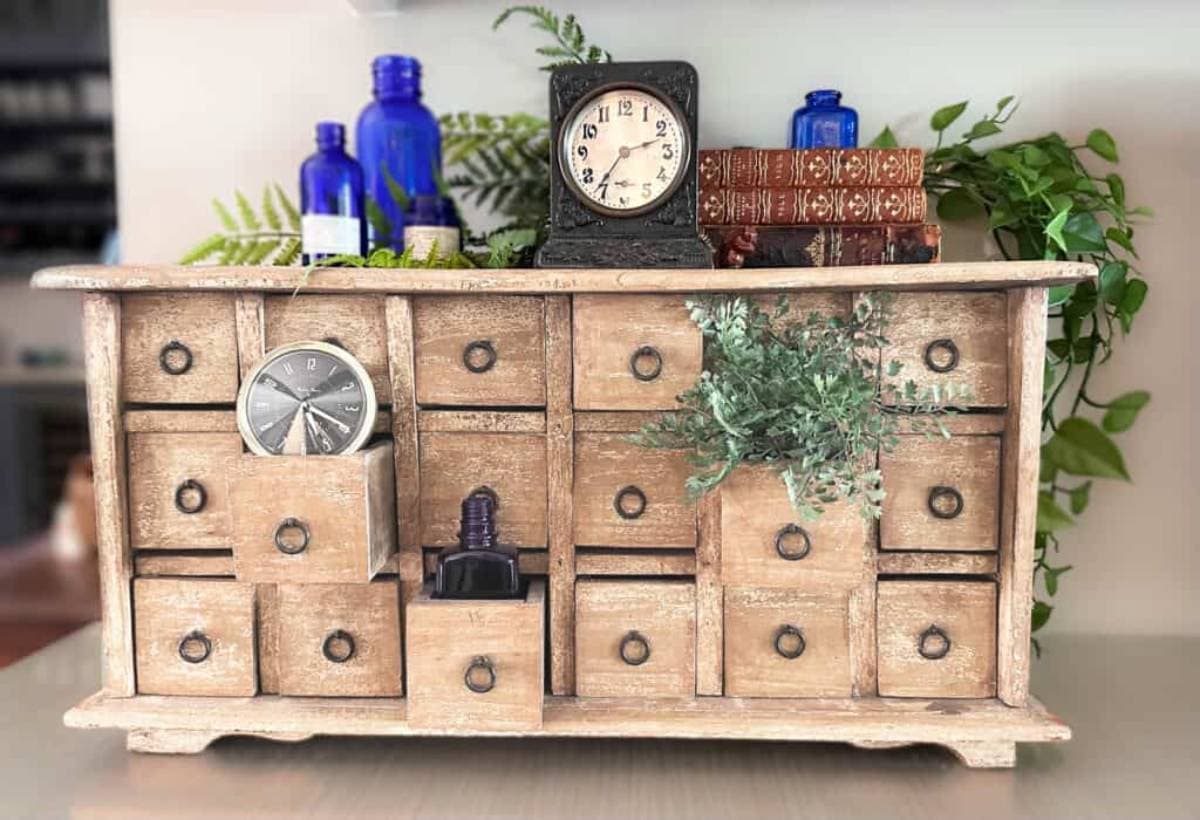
<point x="260" y="238"/>
<point x="502" y="249"/>
<point x="1042" y="202"/>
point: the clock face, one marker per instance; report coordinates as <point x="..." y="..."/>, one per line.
<point x="310" y="398"/>
<point x="624" y="150"/>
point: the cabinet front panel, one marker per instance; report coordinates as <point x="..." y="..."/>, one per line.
<point x="179" y="349"/>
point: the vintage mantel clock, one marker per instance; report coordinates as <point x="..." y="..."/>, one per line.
<point x="623" y="168"/>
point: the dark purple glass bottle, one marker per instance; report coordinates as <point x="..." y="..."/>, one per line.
<point x="824" y="122"/>
<point x="331" y="198"/>
<point x="479" y="567"/>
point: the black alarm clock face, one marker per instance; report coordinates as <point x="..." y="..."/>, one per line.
<point x="624" y="149"/>
<point x="309" y="398"/>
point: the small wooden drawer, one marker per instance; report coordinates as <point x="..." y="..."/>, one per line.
<point x="194" y="637"/>
<point x="313" y="519"/>
<point x="178" y="493"/>
<point x="635" y="638"/>
<point x="633" y="352"/>
<point x="480" y="350"/>
<point x="353" y="322"/>
<point x="955" y="340"/>
<point x="179" y="350"/>
<point x="476" y="665"/>
<point x="339" y="639"/>
<point x="510" y="465"/>
<point x="765" y="544"/>
<point x="937" y="639"/>
<point x="630" y="496"/>
<point x="783" y="643"/>
<point x="942" y="494"/>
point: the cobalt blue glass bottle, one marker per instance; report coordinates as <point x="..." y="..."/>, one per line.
<point x="824" y="122"/>
<point x="331" y="198"/>
<point x="432" y="220"/>
<point x="398" y="141"/>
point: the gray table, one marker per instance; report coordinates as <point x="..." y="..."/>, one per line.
<point x="1136" y="754"/>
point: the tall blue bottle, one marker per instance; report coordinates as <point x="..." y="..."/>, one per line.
<point x="397" y="138"/>
<point x="331" y="198"/>
<point x="824" y="122"/>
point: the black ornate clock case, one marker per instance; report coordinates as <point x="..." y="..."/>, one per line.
<point x="667" y="236"/>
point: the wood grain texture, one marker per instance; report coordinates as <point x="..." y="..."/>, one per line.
<point x="606" y="464"/>
<point x="204" y="323"/>
<point x="161" y="463"/>
<point x="479" y="421"/>
<point x="970" y="465"/>
<point x="248" y="311"/>
<point x="346" y="502"/>
<point x="965" y="611"/>
<point x="662" y="612"/>
<point x="609" y="330"/>
<point x="354" y="322"/>
<point x="266" y="614"/>
<point x="1018" y="513"/>
<point x="156" y="563"/>
<point x="608" y="421"/>
<point x="369" y="613"/>
<point x="864" y="654"/>
<point x="974" y="424"/>
<point x="937" y="563"/>
<point x="560" y="479"/>
<point x="710" y="598"/>
<point x="753" y="666"/>
<point x="444" y="637"/>
<point x="974" y="322"/>
<point x="405" y="438"/>
<point x="168" y="610"/>
<point x="444" y="327"/>
<point x="513" y="465"/>
<point x="605" y="561"/>
<point x="180" y="421"/>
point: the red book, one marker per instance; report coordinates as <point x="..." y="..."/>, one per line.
<point x="812" y="206"/>
<point x="811" y="167"/>
<point x="817" y="246"/>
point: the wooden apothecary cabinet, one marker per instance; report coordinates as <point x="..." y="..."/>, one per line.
<point x="647" y="615"/>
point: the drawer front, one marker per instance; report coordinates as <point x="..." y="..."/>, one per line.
<point x="635" y="638"/>
<point x="178" y="489"/>
<point x="339" y="639"/>
<point x="942" y="494"/>
<point x="179" y="349"/>
<point x="783" y="643"/>
<point x="765" y="544"/>
<point x="194" y="637"/>
<point x="511" y="465"/>
<point x="313" y="519"/>
<point x="951" y="339"/>
<point x="937" y="639"/>
<point x="476" y="664"/>
<point x="355" y="323"/>
<point x="633" y="352"/>
<point x="480" y="350"/>
<point x="630" y="496"/>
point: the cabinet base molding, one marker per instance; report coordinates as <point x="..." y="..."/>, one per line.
<point x="981" y="733"/>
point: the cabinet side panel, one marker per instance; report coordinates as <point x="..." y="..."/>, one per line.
<point x="560" y="467"/>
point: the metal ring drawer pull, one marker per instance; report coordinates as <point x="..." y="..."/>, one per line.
<point x="646" y="352"/>
<point x="484" y="489"/>
<point x="940" y="643"/>
<point x="938" y="496"/>
<point x="286" y="547"/>
<point x="166" y="358"/>
<point x="781" y="542"/>
<point x="789" y="642"/>
<point x="946" y="345"/>
<point x="633" y="493"/>
<point x="338" y="646"/>
<point x="479" y="346"/>
<point x="193" y="641"/>
<point x="194" y="488"/>
<point x="481" y="665"/>
<point x="635" y="649"/>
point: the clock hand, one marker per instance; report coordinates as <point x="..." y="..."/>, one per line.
<point x="345" y="428"/>
<point x="621" y="152"/>
<point x="646" y="144"/>
<point x="318" y="434"/>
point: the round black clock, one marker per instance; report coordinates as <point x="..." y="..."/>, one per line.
<point x="308" y="398"/>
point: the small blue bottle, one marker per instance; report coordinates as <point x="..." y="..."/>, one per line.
<point x="824" y="122"/>
<point x="397" y="138"/>
<point x="432" y="220"/>
<point x="331" y="198"/>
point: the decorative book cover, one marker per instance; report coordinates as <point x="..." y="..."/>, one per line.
<point x="812" y="206"/>
<point x="811" y="167"/>
<point x="751" y="246"/>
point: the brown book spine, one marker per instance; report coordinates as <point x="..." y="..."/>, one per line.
<point x="811" y="167"/>
<point x="755" y="246"/>
<point x="812" y="206"/>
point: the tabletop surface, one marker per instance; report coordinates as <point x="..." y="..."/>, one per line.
<point x="1129" y="700"/>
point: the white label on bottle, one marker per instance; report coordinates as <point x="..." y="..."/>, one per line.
<point x="329" y="233"/>
<point x="421" y="239"/>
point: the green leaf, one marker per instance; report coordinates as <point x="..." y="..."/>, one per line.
<point x="943" y="117"/>
<point x="204" y="249"/>
<point x="289" y="210"/>
<point x="270" y="214"/>
<point x="1123" y="411"/>
<point x="1083" y="234"/>
<point x="1040" y="615"/>
<point x="1061" y="348"/>
<point x="886" y="139"/>
<point x="249" y="218"/>
<point x="1079" y="497"/>
<point x="227" y="220"/>
<point x="1060" y="294"/>
<point x="1051" y="579"/>
<point x="981" y="129"/>
<point x="1116" y="188"/>
<point x="1134" y="296"/>
<point x="1081" y="448"/>
<point x="1054" y="229"/>
<point x="1050" y="516"/>
<point x="1112" y="281"/>
<point x="1003" y="103"/>
<point x="1102" y="143"/>
<point x="1047" y="470"/>
<point x="957" y="204"/>
<point x="1122" y="238"/>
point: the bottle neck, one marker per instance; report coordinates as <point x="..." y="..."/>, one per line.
<point x="397" y="94"/>
<point x="478" y="530"/>
<point x="827" y="98"/>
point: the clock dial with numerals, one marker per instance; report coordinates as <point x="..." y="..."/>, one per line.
<point x="624" y="150"/>
<point x="308" y="398"/>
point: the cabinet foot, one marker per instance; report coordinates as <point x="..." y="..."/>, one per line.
<point x="985" y="754"/>
<point x="190" y="741"/>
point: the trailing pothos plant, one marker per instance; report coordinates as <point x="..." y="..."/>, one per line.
<point x="1042" y="202"/>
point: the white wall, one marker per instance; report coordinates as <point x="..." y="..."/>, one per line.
<point x="225" y="96"/>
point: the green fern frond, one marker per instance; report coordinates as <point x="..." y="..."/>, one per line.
<point x="289" y="210"/>
<point x="571" y="44"/>
<point x="203" y="249"/>
<point x="270" y="214"/>
<point x="289" y="253"/>
<point x="261" y="250"/>
<point x="227" y="220"/>
<point x="249" y="218"/>
<point x="249" y="242"/>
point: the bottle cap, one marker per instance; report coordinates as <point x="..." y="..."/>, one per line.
<point x="478" y="527"/>
<point x="331" y="135"/>
<point x="396" y="75"/>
